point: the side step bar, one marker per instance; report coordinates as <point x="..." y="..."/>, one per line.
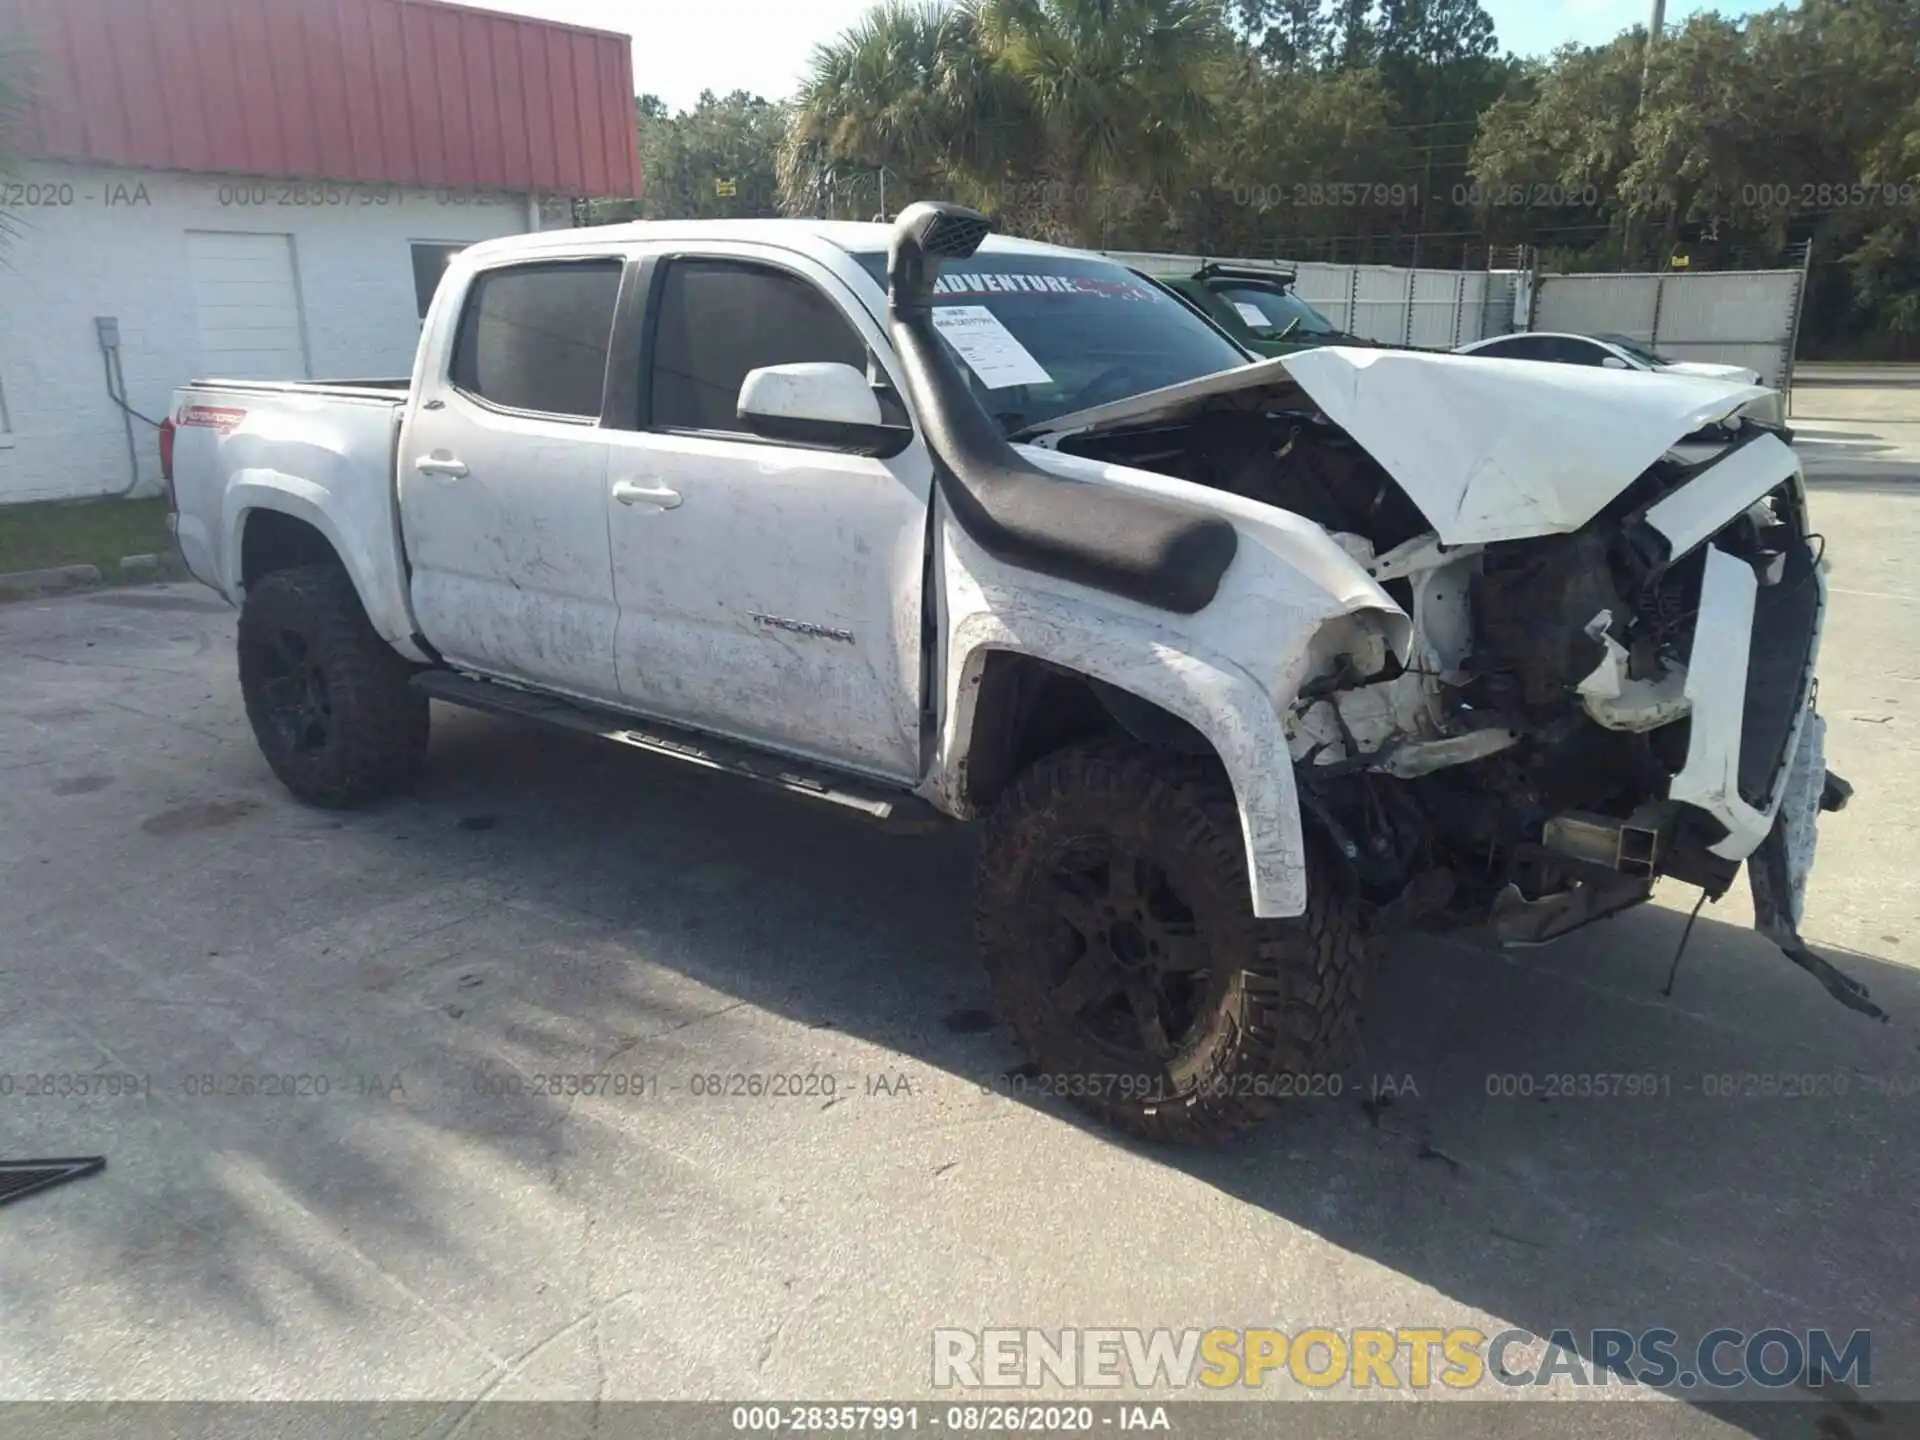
<point x="707" y="751"/>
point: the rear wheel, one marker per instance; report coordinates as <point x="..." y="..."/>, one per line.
<point x="327" y="697"/>
<point x="1114" y="920"/>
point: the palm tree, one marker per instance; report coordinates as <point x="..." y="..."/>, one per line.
<point x="1123" y="91"/>
<point x="1035" y="108"/>
<point x="909" y="92"/>
<point x="14" y="75"/>
<point x="13" y="104"/>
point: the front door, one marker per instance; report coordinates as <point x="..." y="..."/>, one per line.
<point x="767" y="592"/>
<point x="503" y="481"/>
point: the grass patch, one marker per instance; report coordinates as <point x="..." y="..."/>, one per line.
<point x="46" y="533"/>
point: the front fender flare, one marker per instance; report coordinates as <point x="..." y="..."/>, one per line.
<point x="1216" y="697"/>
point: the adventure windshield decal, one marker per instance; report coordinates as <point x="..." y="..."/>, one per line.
<point x="962" y="282"/>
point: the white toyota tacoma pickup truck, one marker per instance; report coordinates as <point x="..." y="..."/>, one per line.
<point x="1239" y="662"/>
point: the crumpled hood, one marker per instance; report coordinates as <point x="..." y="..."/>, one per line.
<point x="1488" y="449"/>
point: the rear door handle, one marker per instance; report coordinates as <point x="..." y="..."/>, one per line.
<point x="440" y="465"/>
<point x="658" y="497"/>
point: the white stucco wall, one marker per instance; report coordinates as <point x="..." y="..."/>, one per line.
<point x="113" y="242"/>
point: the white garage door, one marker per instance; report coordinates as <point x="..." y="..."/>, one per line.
<point x="248" y="306"/>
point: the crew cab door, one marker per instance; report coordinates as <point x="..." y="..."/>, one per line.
<point x="502" y="476"/>
<point x="767" y="592"/>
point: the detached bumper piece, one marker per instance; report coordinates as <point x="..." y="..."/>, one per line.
<point x="1777" y="872"/>
<point x="1766" y="873"/>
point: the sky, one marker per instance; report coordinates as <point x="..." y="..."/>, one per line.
<point x="682" y="47"/>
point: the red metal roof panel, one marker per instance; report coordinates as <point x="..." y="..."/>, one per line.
<point x="412" y="92"/>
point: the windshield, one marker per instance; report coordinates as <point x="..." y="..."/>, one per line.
<point x="1636" y="349"/>
<point x="1269" y="312"/>
<point x="1045" y="335"/>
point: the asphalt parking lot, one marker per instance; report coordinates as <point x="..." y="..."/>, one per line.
<point x="544" y="906"/>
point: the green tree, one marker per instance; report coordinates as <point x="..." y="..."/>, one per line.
<point x="1566" y="134"/>
<point x="715" y="161"/>
<point x="13" y="105"/>
<point x="1046" y="111"/>
<point x="909" y="94"/>
<point x="1796" y="125"/>
<point x="1433" y="62"/>
<point x="1349" y="129"/>
<point x="1292" y="153"/>
<point x="1287" y="34"/>
<point x="1437" y="59"/>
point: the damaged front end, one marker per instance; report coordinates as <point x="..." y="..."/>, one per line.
<point x="1616" y="601"/>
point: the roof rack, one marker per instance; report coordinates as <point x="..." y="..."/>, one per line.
<point x="1260" y="274"/>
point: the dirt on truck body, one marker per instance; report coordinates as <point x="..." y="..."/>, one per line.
<point x="1237" y="663"/>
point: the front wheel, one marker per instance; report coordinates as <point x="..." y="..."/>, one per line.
<point x="327" y="697"/>
<point x="1113" y="915"/>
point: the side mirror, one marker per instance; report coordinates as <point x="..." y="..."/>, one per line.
<point x="822" y="405"/>
<point x="1614" y="362"/>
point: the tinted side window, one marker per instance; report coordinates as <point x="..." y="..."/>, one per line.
<point x="534" y="337"/>
<point x="1528" y="349"/>
<point x="1577" y="352"/>
<point x="719" y="319"/>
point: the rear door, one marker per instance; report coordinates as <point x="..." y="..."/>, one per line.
<point x="503" y="469"/>
<point x="767" y="592"/>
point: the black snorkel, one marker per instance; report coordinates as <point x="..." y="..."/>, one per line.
<point x="1118" y="541"/>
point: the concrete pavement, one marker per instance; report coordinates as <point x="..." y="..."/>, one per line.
<point x="1860" y="423"/>
<point x="432" y="1228"/>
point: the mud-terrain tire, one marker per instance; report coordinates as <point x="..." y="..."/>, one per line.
<point x="327" y="697"/>
<point x="1115" y="921"/>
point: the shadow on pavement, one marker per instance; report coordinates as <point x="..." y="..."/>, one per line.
<point x="1687" y="1209"/>
<point x="1691" y="1209"/>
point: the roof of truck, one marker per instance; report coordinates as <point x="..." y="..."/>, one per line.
<point x="853" y="236"/>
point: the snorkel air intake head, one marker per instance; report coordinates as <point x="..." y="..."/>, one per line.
<point x="927" y="232"/>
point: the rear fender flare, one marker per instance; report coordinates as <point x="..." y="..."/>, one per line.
<point x="380" y="595"/>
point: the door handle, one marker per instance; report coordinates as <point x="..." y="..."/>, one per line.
<point x="658" y="497"/>
<point x="440" y="465"/>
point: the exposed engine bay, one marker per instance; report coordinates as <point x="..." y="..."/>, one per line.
<point x="1554" y="743"/>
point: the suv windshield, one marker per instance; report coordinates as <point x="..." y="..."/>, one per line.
<point x="1045" y="335"/>
<point x="1276" y="310"/>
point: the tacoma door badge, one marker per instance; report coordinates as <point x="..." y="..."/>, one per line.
<point x="803" y="627"/>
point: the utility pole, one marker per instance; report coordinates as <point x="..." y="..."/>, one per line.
<point x="1656" y="23"/>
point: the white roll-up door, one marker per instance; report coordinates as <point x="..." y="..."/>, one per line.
<point x="247" y="302"/>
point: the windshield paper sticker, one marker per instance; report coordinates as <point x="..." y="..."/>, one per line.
<point x="1252" y="315"/>
<point x="988" y="347"/>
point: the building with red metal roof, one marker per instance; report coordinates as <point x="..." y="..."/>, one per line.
<point x="263" y="188"/>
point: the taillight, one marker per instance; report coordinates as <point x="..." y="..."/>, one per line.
<point x="166" y="455"/>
